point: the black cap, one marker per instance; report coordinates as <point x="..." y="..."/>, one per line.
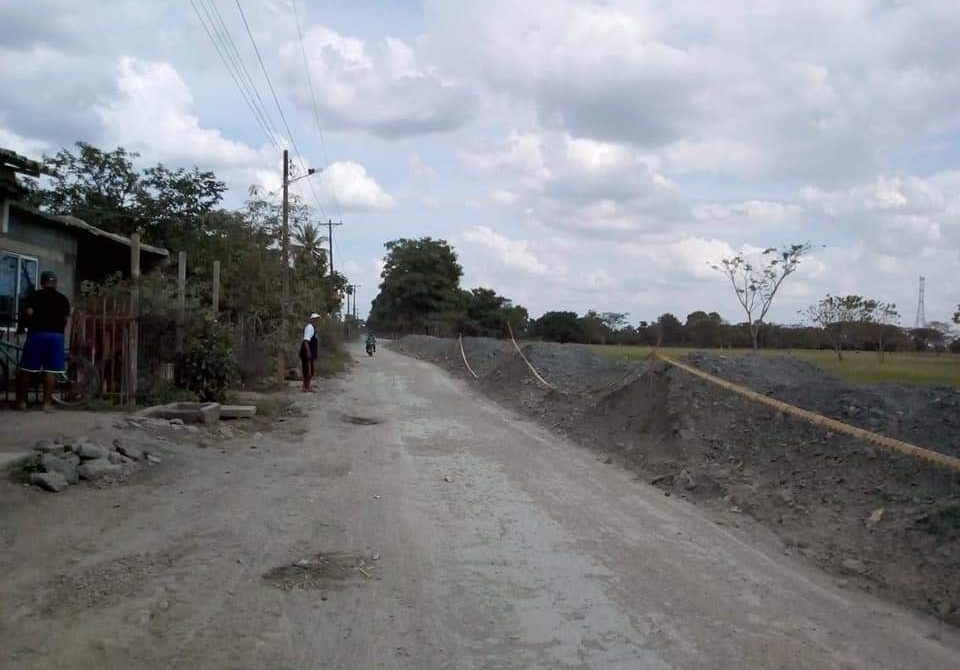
<point x="48" y="275"/>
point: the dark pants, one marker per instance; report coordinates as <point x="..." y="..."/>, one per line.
<point x="306" y="365"/>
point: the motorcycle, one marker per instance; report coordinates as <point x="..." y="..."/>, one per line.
<point x="371" y="347"/>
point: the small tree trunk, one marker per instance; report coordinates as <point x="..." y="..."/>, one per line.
<point x="755" y="336"/>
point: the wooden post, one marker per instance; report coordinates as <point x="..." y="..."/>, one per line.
<point x="216" y="290"/>
<point x="135" y="319"/>
<point x="181" y="298"/>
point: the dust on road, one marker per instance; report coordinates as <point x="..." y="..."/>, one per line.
<point x="441" y="531"/>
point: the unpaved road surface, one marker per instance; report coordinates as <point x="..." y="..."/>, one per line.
<point x="410" y="523"/>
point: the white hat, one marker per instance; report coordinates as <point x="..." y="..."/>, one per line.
<point x="314" y="316"/>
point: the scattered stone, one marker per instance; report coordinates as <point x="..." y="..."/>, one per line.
<point x="842" y="583"/>
<point x="130" y="451"/>
<point x="258" y="436"/>
<point x="853" y="566"/>
<point x="376" y="557"/>
<point x="89" y="451"/>
<point x="447" y="478"/>
<point x="686" y="480"/>
<point x="656" y="480"/>
<point x="377" y="497"/>
<point x="43" y="446"/>
<point x="176" y="422"/>
<point x="153" y="460"/>
<point x="786" y="495"/>
<point x="875" y="517"/>
<point x="946" y="608"/>
<point x="72" y="458"/>
<point x="51" y="481"/>
<point x="117" y="458"/>
<point x="97" y="468"/>
<point x="63" y="467"/>
<point x="608" y="460"/>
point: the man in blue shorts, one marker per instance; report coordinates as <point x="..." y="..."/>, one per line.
<point x="44" y="315"/>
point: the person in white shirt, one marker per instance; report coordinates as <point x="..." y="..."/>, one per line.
<point x="309" y="347"/>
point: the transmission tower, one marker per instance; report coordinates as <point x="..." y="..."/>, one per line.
<point x="921" y="321"/>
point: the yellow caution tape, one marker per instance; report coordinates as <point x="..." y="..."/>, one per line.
<point x="883" y="441"/>
<point x="532" y="369"/>
<point x="464" y="355"/>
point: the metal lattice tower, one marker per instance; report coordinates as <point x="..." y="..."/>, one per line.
<point x="921" y="321"/>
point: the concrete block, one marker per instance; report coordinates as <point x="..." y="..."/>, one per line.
<point x="237" y="411"/>
<point x="187" y="412"/>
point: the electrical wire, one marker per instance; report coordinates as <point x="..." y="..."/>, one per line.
<point x="243" y="92"/>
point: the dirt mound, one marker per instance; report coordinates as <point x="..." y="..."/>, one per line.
<point x="886" y="522"/>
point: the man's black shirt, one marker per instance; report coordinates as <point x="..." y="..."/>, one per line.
<point x="50" y="311"/>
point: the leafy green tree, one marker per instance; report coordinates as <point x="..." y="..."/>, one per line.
<point x="560" y="327"/>
<point x="104" y="188"/>
<point x="671" y="330"/>
<point x="702" y="329"/>
<point x="838" y="314"/>
<point x="421" y="284"/>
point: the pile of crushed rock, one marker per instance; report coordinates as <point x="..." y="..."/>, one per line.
<point x="60" y="463"/>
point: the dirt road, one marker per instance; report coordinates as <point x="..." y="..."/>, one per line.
<point x="410" y="523"/>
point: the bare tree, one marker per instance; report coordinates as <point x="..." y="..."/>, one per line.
<point x="836" y="314"/>
<point x="885" y="315"/>
<point x="757" y="285"/>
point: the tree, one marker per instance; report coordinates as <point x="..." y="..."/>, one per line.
<point x="670" y="330"/>
<point x="885" y="315"/>
<point x="487" y="313"/>
<point x="835" y="314"/>
<point x="594" y="327"/>
<point x="309" y="241"/>
<point x="560" y="327"/>
<point x="421" y="283"/>
<point x="702" y="329"/>
<point x="103" y="188"/>
<point x="757" y="286"/>
<point x="956" y="315"/>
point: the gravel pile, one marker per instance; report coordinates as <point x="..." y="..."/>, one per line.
<point x="63" y="462"/>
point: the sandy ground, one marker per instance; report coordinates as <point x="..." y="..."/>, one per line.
<point x="408" y="522"/>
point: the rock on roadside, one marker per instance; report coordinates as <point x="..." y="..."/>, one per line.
<point x="60" y="466"/>
<point x="89" y="451"/>
<point x="97" y="468"/>
<point x="130" y="451"/>
<point x="51" y="481"/>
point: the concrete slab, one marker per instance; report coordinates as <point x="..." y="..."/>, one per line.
<point x="237" y="411"/>
<point x="188" y="412"/>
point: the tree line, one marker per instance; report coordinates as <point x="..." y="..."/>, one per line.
<point x="420" y="293"/>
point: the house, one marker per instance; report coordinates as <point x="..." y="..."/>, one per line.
<point x="32" y="242"/>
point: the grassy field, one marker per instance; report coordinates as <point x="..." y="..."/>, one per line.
<point x="905" y="368"/>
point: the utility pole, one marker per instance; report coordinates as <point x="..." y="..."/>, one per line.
<point x="355" y="287"/>
<point x="330" y="225"/>
<point x="285" y="240"/>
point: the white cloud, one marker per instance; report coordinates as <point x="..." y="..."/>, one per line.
<point x="380" y="88"/>
<point x="353" y="188"/>
<point x="514" y="254"/>
<point x="153" y="113"/>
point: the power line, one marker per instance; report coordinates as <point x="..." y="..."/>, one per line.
<point x="243" y="93"/>
<point x="243" y="70"/>
<point x="237" y="65"/>
<point x="313" y="96"/>
<point x="276" y="100"/>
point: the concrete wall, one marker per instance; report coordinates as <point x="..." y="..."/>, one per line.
<point x="54" y="247"/>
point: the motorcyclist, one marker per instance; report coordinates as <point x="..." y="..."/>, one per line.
<point x="371" y="343"/>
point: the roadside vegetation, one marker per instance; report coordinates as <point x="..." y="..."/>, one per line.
<point x="251" y="340"/>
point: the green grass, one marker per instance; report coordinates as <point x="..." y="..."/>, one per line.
<point x="903" y="368"/>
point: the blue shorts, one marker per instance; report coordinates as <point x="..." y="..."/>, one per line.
<point x="43" y="352"/>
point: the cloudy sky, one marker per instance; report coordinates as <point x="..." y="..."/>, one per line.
<point x="578" y="154"/>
